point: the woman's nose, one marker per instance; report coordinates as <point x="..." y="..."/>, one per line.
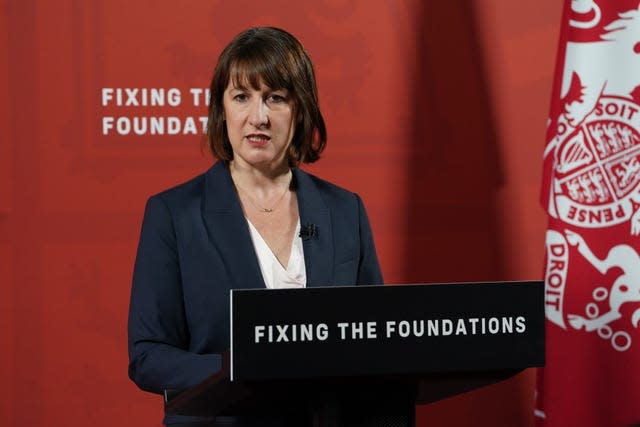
<point x="258" y="116"/>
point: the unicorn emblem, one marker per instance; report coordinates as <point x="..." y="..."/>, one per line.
<point x="625" y="288"/>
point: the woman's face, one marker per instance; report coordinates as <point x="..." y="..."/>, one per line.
<point x="260" y="125"/>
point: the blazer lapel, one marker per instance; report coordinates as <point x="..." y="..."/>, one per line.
<point x="318" y="252"/>
<point x="228" y="229"/>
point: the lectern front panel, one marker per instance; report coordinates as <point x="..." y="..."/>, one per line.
<point x="386" y="330"/>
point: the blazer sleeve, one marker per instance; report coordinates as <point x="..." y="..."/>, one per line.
<point x="158" y="331"/>
<point x="368" y="267"/>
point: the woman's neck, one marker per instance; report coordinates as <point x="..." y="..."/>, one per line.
<point x="263" y="180"/>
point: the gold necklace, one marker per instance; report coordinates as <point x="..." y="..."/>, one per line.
<point x="261" y="208"/>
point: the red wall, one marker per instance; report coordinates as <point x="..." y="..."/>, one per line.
<point x="436" y="114"/>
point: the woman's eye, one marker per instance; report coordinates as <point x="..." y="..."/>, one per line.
<point x="240" y="97"/>
<point x="276" y="98"/>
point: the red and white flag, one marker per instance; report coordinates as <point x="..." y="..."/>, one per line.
<point x="591" y="190"/>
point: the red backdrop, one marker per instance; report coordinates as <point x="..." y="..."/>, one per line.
<point x="436" y="114"/>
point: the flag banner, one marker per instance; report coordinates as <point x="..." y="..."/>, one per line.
<point x="591" y="190"/>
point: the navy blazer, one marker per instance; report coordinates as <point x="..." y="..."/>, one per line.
<point x="195" y="246"/>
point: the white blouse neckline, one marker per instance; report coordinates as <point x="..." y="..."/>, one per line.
<point x="274" y="274"/>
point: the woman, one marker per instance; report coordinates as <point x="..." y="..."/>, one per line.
<point x="253" y="220"/>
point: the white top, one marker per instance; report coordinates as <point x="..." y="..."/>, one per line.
<point x="274" y="275"/>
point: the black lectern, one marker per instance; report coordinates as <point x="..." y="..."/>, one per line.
<point x="365" y="355"/>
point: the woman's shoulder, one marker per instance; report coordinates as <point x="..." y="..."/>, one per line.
<point x="328" y="190"/>
<point x="181" y="193"/>
<point x="208" y="189"/>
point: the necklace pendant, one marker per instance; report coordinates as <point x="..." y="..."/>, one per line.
<point x="267" y="210"/>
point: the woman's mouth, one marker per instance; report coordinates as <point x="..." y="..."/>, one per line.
<point x="258" y="140"/>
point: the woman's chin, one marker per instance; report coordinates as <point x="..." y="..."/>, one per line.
<point x="262" y="161"/>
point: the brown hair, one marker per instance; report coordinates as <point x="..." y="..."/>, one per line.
<point x="276" y="58"/>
